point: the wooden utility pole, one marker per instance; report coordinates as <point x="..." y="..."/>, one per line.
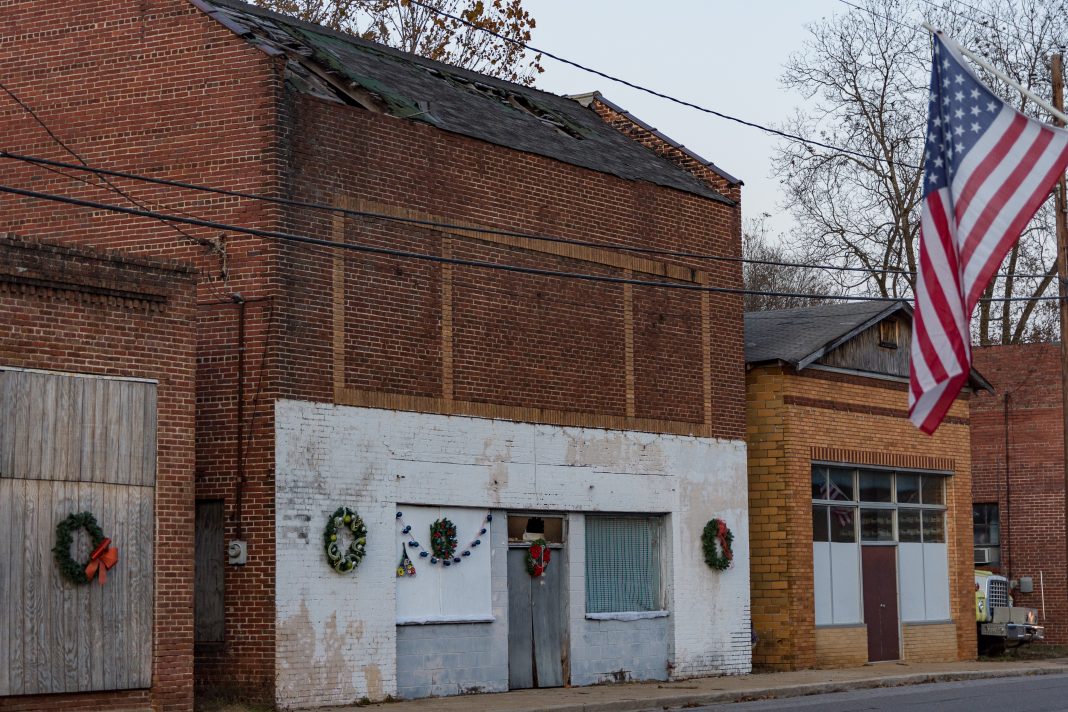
<point x="1057" y="71"/>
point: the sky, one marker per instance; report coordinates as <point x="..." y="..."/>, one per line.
<point x="726" y="55"/>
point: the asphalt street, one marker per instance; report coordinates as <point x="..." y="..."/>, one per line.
<point x="1040" y="693"/>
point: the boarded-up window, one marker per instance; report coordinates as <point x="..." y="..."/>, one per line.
<point x="210" y="565"/>
<point x="71" y="444"/>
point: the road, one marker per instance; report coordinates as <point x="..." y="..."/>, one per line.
<point x="1040" y="693"/>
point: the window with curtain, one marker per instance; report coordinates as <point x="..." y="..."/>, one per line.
<point x="622" y="564"/>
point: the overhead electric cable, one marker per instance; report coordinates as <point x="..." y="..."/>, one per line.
<point x="647" y="90"/>
<point x="389" y="252"/>
<point x="436" y="225"/>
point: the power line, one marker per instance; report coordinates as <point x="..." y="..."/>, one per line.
<point x="388" y="252"/>
<point x="653" y="92"/>
<point x="436" y="225"/>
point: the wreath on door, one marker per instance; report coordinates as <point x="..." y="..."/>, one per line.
<point x="716" y="540"/>
<point x="103" y="557"/>
<point x="538" y="557"/>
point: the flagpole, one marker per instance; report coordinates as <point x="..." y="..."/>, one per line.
<point x="1057" y="113"/>
<point x="1061" y="206"/>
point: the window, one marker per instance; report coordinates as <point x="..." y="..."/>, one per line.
<point x="986" y="530"/>
<point x="855" y="506"/>
<point x="888" y="333"/>
<point x="622" y="564"/>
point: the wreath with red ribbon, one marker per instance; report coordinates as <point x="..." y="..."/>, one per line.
<point x="538" y="557"/>
<point x="717" y="540"/>
<point x="103" y="557"/>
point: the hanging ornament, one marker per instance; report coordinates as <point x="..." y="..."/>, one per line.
<point x="405" y="567"/>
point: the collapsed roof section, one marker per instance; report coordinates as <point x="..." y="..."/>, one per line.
<point x="337" y="67"/>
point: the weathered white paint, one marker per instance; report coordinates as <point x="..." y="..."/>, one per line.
<point x="336" y="636"/>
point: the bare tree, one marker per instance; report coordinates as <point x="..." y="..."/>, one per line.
<point x="765" y="272"/>
<point x="422" y="29"/>
<point x="865" y="74"/>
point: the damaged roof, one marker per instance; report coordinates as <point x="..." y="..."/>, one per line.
<point x="342" y="68"/>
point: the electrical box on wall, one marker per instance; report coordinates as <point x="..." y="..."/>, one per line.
<point x="238" y="552"/>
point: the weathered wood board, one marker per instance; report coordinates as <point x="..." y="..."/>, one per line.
<point x="210" y="564"/>
<point x="70" y="444"/>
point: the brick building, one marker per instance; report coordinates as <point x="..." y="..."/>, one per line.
<point x="583" y="412"/>
<point x="859" y="523"/>
<point x="96" y="414"/>
<point x="1018" y="491"/>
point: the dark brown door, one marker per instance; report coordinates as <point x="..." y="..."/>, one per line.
<point x="879" y="564"/>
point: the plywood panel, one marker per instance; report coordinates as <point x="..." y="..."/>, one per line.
<point x="148" y="467"/>
<point x="8" y="412"/>
<point x="6" y="556"/>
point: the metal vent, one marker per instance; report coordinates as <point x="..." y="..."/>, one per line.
<point x="998" y="594"/>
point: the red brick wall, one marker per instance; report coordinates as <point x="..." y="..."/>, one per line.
<point x="59" y="311"/>
<point x="518" y="340"/>
<point x="1033" y="529"/>
<point x="157" y="87"/>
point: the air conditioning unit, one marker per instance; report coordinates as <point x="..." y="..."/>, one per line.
<point x="985" y="555"/>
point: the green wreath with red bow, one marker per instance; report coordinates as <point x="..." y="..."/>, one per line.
<point x="538" y="557"/>
<point x="716" y="540"/>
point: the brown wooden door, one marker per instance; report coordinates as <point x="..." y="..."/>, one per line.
<point x="879" y="569"/>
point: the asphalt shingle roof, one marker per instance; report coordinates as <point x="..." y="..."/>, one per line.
<point x="453" y="99"/>
<point x="791" y="335"/>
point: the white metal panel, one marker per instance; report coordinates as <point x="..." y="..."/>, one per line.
<point x="911" y="581"/>
<point x="438" y="593"/>
<point x="936" y="581"/>
<point x="821" y="573"/>
<point x="845" y="583"/>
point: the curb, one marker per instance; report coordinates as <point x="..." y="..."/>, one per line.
<point x="801" y="690"/>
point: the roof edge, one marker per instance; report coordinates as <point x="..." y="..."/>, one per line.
<point x="588" y="98"/>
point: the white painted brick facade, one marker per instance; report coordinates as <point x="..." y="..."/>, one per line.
<point x="336" y="634"/>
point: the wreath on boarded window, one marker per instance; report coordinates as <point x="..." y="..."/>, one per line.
<point x="537" y="558"/>
<point x="345" y="561"/>
<point x="443" y="539"/>
<point x="103" y="557"/>
<point x="716" y="540"/>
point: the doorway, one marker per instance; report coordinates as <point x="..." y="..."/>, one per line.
<point x="879" y="572"/>
<point x="537" y="607"/>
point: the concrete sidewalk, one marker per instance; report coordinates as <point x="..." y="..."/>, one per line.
<point x="632" y="697"/>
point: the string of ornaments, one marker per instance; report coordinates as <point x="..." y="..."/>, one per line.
<point x="443" y="544"/>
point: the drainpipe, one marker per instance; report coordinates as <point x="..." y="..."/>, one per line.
<point x="1008" y="493"/>
<point x="239" y="495"/>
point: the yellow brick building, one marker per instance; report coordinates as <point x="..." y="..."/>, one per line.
<point x="859" y="524"/>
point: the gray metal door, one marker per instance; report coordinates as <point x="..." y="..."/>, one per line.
<point x="537" y="623"/>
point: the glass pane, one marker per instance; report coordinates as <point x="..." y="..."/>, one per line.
<point x="874" y="486"/>
<point x="844" y="524"/>
<point x="819" y="523"/>
<point x="876" y="525"/>
<point x="819" y="483"/>
<point x="908" y="524"/>
<point x="934" y="527"/>
<point x="622" y="564"/>
<point x="841" y="485"/>
<point x="933" y="492"/>
<point x="908" y="489"/>
<point x="985" y="525"/>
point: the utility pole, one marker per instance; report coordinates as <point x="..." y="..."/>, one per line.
<point x="1057" y="71"/>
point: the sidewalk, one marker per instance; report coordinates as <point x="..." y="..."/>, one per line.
<point x="632" y="697"/>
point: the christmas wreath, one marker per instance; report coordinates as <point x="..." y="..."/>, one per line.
<point x="103" y="557"/>
<point x="538" y="557"/>
<point x="443" y="539"/>
<point x="717" y="540"/>
<point x="350" y="559"/>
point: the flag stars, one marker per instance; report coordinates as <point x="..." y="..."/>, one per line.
<point x="976" y="127"/>
<point x="959" y="113"/>
<point x="992" y="106"/>
<point x="958" y="130"/>
<point x="976" y="110"/>
<point x="959" y="79"/>
<point x="975" y="93"/>
<point x="959" y="96"/>
<point x="938" y="161"/>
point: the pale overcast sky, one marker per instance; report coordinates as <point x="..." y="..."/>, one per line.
<point x="721" y="54"/>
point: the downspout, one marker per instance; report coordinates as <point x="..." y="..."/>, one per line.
<point x="239" y="494"/>
<point x="1008" y="492"/>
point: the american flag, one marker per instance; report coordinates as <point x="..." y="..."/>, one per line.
<point x="988" y="168"/>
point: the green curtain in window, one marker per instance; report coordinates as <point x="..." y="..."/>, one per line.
<point x="622" y="564"/>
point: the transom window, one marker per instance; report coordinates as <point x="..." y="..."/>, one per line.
<point x="851" y="504"/>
